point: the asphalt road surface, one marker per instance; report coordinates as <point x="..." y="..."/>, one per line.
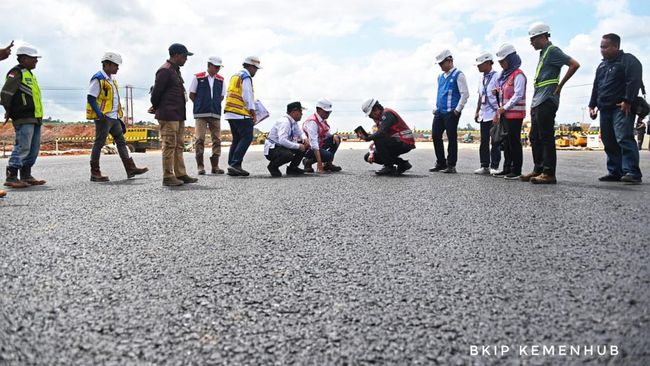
<point x="338" y="269"/>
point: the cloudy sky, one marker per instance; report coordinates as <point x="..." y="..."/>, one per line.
<point x="344" y="50"/>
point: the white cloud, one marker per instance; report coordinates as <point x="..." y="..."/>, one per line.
<point x="73" y="34"/>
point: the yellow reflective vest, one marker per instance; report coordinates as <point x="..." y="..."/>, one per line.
<point x="105" y="97"/>
<point x="234" y="99"/>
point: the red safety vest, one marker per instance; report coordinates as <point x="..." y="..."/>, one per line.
<point x="400" y="129"/>
<point x="518" y="111"/>
<point x="323" y="129"/>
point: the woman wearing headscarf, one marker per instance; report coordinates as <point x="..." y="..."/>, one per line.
<point x="512" y="92"/>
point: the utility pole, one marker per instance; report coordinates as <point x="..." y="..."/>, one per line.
<point x="129" y="106"/>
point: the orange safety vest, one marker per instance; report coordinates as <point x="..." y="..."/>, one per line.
<point x="400" y="129"/>
<point x="518" y="111"/>
<point x="323" y="129"/>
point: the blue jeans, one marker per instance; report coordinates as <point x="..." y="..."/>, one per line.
<point x="617" y="132"/>
<point x="326" y="152"/>
<point x="242" y="136"/>
<point x="26" y="147"/>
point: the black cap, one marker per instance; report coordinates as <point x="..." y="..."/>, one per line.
<point x="179" y="49"/>
<point x="293" y="106"/>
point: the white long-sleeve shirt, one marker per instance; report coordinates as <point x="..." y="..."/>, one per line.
<point x="520" y="90"/>
<point x="285" y="132"/>
<point x="489" y="108"/>
<point x="312" y="132"/>
<point x="247" y="96"/>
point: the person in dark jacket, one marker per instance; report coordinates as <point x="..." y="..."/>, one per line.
<point x="616" y="85"/>
<point x="168" y="100"/>
<point x="392" y="139"/>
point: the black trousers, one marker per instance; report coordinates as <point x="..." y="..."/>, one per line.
<point x="445" y="122"/>
<point x="542" y="137"/>
<point x="489" y="153"/>
<point x="280" y="155"/>
<point x="512" y="149"/>
<point x="388" y="150"/>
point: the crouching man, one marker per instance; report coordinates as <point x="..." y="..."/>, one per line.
<point x="284" y="143"/>
<point x="105" y="108"/>
<point x="392" y="139"/>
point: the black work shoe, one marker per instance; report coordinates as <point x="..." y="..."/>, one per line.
<point x="631" y="179"/>
<point x="610" y="178"/>
<point x="187" y="179"/>
<point x="275" y="172"/>
<point x="403" y="166"/>
<point x="237" y="172"/>
<point x="512" y="176"/>
<point x="386" y="170"/>
<point x="329" y="167"/>
<point x="501" y="174"/>
<point x="307" y="163"/>
<point x="438" y="168"/>
<point x="450" y="170"/>
<point x="294" y="170"/>
<point x="172" y="182"/>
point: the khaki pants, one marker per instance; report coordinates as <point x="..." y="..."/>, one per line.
<point x="214" y="125"/>
<point x="171" y="133"/>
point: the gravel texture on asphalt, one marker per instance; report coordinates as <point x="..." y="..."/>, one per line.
<point x="339" y="269"/>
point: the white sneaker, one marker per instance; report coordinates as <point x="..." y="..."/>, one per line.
<point x="493" y="171"/>
<point x="482" y="171"/>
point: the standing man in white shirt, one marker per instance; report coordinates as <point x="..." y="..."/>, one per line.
<point x="489" y="153"/>
<point x="206" y="92"/>
<point x="452" y="96"/>
<point x="104" y="107"/>
<point x="240" y="113"/>
<point x="323" y="143"/>
<point x="284" y="143"/>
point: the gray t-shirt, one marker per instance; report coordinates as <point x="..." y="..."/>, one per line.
<point x="551" y="66"/>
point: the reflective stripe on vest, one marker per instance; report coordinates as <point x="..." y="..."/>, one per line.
<point x="508" y="91"/>
<point x="400" y="129"/>
<point x="234" y="99"/>
<point x="323" y="129"/>
<point x="539" y="68"/>
<point x="105" y="97"/>
<point x="29" y="86"/>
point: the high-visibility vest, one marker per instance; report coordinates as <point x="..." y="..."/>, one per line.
<point x="400" y="129"/>
<point x="105" y="97"/>
<point x="542" y="83"/>
<point x="26" y="103"/>
<point x="234" y="99"/>
<point x="323" y="129"/>
<point x="518" y="111"/>
<point x="448" y="92"/>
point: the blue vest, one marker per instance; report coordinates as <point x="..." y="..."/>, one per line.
<point x="206" y="105"/>
<point x="448" y="93"/>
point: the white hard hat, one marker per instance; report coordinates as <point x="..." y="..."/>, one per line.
<point x="483" y="57"/>
<point x="27" y="51"/>
<point x="253" y="60"/>
<point x="324" y="104"/>
<point x="505" y="50"/>
<point x="443" y="56"/>
<point x="112" y="57"/>
<point x="538" y="28"/>
<point x="215" y="60"/>
<point x="367" y="105"/>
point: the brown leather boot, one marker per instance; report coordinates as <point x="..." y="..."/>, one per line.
<point x="544" y="178"/>
<point x="26" y="176"/>
<point x="2" y="193"/>
<point x="214" y="161"/>
<point x="12" y="179"/>
<point x="95" y="173"/>
<point x="131" y="169"/>
<point x="527" y="177"/>
<point x="199" y="164"/>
